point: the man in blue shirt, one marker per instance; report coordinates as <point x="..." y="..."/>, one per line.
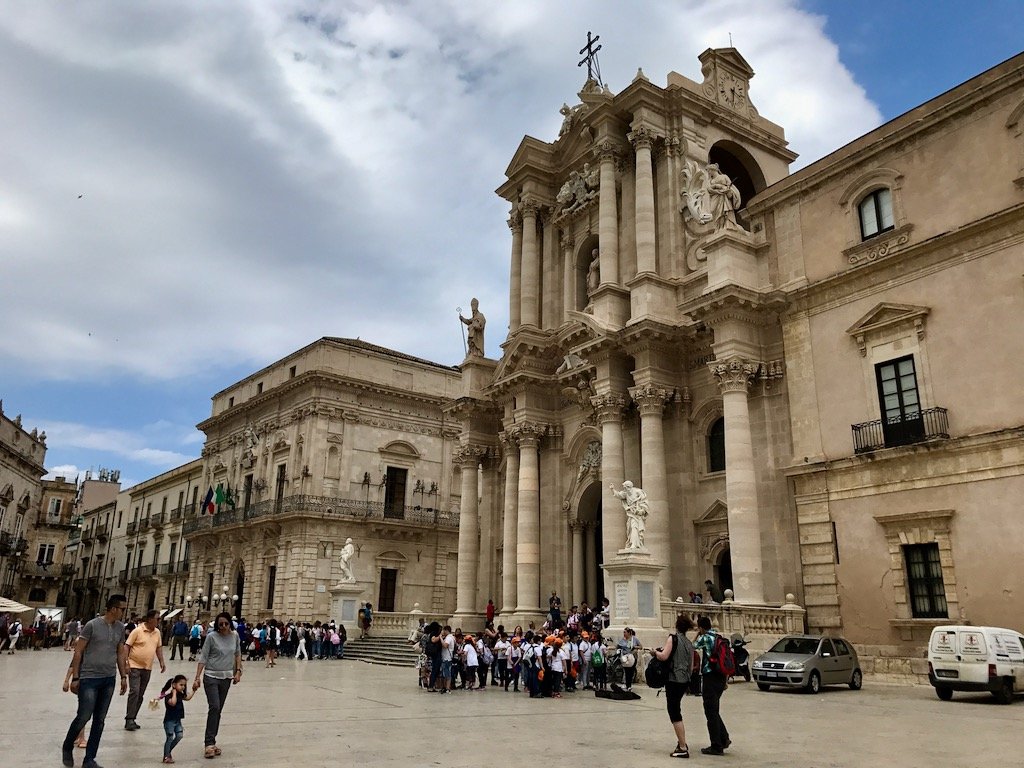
<point x="713" y="683"/>
<point x="179" y="636"/>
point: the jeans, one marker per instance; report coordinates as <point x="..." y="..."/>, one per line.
<point x="584" y="673"/>
<point x="94" y="695"/>
<point x="174" y="733"/>
<point x="341" y="650"/>
<point x="317" y="648"/>
<point x="714" y="687"/>
<point x="216" y="694"/>
<point x="138" y="681"/>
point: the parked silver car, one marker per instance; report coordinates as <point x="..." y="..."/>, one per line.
<point x="808" y="661"/>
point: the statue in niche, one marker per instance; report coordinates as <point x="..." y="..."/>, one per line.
<point x="475" y="324"/>
<point x="634" y="501"/>
<point x="593" y="272"/>
<point x="346" y="567"/>
<point x="709" y="196"/>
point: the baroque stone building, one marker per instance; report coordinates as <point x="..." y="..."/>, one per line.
<point x="341" y="439"/>
<point x="22" y="454"/>
<point x="47" y="569"/>
<point x="815" y="377"/>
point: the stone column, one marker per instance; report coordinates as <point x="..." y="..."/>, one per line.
<point x="578" y="586"/>
<point x="590" y="559"/>
<point x="530" y="278"/>
<point x="651" y="400"/>
<point x="608" y="213"/>
<point x="509" y="531"/>
<point x="488" y="522"/>
<point x="613" y="517"/>
<point x="646" y="260"/>
<point x="734" y="377"/>
<point x="515" y="223"/>
<point x="528" y="528"/>
<point x="468" y="458"/>
<point x="568" y="276"/>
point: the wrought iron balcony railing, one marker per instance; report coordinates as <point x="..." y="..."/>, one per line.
<point x="929" y="424"/>
<point x="326" y="507"/>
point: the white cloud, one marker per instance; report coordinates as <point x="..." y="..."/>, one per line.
<point x="111" y="445"/>
<point x="256" y="175"/>
<point x="68" y="471"/>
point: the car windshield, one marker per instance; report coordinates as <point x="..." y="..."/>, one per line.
<point x="802" y="646"/>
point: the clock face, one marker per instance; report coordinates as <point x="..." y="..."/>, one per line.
<point x="730" y="90"/>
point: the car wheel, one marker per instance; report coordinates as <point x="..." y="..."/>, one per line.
<point x="857" y="680"/>
<point x="1005" y="694"/>
<point x="944" y="693"/>
<point x="814" y="684"/>
<point x="763" y="686"/>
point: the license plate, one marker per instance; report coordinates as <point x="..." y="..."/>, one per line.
<point x="771" y="674"/>
<point x="946" y="673"/>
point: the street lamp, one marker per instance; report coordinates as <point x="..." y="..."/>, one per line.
<point x="223" y="600"/>
<point x="199" y="601"/>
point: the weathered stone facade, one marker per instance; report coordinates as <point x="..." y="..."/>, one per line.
<point x="342" y="439"/>
<point x="878" y="288"/>
<point x="22" y="454"/>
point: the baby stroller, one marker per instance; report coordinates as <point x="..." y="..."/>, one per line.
<point x="256" y="652"/>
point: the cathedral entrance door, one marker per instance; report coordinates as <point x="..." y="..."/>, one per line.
<point x="588" y="516"/>
<point x="386" y="596"/>
<point x="240" y="591"/>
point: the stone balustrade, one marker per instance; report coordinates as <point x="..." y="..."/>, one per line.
<point x="735" y="618"/>
<point x="399" y="623"/>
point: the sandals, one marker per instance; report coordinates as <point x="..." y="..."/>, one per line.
<point x="168" y="760"/>
<point x="210" y="752"/>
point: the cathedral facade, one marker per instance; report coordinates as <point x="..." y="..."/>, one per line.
<point x="803" y="371"/>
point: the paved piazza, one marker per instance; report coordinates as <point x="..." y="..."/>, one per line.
<point x="325" y="713"/>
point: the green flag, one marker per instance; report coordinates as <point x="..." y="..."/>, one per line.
<point x="218" y="496"/>
<point x="230" y="498"/>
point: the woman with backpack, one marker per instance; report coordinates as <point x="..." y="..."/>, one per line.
<point x="679" y="652"/>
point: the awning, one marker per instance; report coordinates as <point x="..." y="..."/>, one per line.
<point x="10" y="606"/>
<point x="171" y="613"/>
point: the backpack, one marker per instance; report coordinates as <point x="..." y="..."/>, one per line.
<point x="721" y="659"/>
<point x="597" y="657"/>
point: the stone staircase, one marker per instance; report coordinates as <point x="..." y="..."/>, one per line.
<point x="392" y="651"/>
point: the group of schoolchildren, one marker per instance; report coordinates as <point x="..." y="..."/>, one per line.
<point x="547" y="662"/>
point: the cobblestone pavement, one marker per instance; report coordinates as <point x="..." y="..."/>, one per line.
<point x="323" y="713"/>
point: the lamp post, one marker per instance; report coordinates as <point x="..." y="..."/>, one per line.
<point x="223" y="600"/>
<point x="199" y="601"/>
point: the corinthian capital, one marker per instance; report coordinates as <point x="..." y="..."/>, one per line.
<point x="650" y="398"/>
<point x="529" y="206"/>
<point x="734" y="375"/>
<point x="608" y="407"/>
<point x="470" y="455"/>
<point x="526" y="434"/>
<point x="641" y="137"/>
<point x="515" y="221"/>
<point x="606" y="150"/>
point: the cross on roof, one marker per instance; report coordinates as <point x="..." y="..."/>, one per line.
<point x="589" y="53"/>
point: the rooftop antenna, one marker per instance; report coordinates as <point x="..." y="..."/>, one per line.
<point x="730" y="40"/>
<point x="589" y="54"/>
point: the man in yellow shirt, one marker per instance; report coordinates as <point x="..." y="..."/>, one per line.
<point x="143" y="644"/>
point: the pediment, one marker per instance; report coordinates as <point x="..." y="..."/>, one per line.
<point x="887" y="316"/>
<point x="717" y="512"/>
<point x="7" y="494"/>
<point x="731" y="58"/>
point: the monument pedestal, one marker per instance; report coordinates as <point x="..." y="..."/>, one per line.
<point x="634" y="581"/>
<point x="345" y="601"/>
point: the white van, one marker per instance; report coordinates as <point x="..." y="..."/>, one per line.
<point x="963" y="658"/>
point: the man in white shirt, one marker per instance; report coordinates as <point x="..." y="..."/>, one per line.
<point x="585" y="651"/>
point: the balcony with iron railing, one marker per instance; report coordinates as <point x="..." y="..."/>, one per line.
<point x="47" y="520"/>
<point x="178" y="513"/>
<point x="102" y="532"/>
<point x="132" y="528"/>
<point x="11" y="544"/>
<point x="47" y="570"/>
<point x="144" y="524"/>
<point x="157" y="520"/>
<point x="906" y="429"/>
<point x="327" y="507"/>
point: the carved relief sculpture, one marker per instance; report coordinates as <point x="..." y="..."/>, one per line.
<point x="709" y="196"/>
<point x="634" y="501"/>
<point x="579" y="189"/>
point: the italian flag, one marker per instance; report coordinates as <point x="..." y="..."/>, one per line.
<point x="207" y="508"/>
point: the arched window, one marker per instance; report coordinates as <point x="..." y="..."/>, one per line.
<point x="716" y="446"/>
<point x="875" y="213"/>
<point x="37" y="595"/>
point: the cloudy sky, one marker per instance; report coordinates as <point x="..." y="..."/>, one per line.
<point x="190" y="190"/>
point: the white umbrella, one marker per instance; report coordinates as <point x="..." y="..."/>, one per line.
<point x="10" y="606"/>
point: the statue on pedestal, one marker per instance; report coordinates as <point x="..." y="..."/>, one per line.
<point x="346" y="568"/>
<point x="475" y="325"/>
<point x="709" y="196"/>
<point x="634" y="501"/>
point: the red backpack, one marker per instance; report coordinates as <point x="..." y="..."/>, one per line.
<point x="721" y="659"/>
